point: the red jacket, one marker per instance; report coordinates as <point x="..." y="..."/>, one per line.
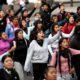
<point x="68" y="27"/>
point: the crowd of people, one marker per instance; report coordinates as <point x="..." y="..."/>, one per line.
<point x="47" y="46"/>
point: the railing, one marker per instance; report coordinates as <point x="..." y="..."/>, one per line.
<point x="66" y="1"/>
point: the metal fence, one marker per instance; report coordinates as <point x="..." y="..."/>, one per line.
<point x="66" y="1"/>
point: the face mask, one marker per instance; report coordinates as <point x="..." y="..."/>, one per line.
<point x="36" y="19"/>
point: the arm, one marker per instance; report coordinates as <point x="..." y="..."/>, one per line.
<point x="68" y="35"/>
<point x="56" y="6"/>
<point x="31" y="28"/>
<point x="18" y="11"/>
<point x="30" y="14"/>
<point x="4" y="18"/>
<point x="29" y="56"/>
<point x="50" y="50"/>
<point x="74" y="51"/>
<point x="53" y="60"/>
<point x="11" y="39"/>
<point x="52" y="39"/>
<point x="61" y="23"/>
<point x="7" y="30"/>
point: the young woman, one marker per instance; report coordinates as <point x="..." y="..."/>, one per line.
<point x="8" y="71"/>
<point x="55" y="29"/>
<point x="61" y="59"/>
<point x="38" y="54"/>
<point x="5" y="45"/>
<point x="69" y="25"/>
<point x="19" y="54"/>
<point x="50" y="73"/>
<point x="26" y="30"/>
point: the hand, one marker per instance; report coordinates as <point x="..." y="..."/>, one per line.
<point x="61" y="3"/>
<point x="36" y="5"/>
<point x="72" y="71"/>
<point x="12" y="49"/>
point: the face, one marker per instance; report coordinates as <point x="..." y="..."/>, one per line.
<point x="23" y="24"/>
<point x="11" y="13"/>
<point x="56" y="28"/>
<point x="15" y="21"/>
<point x="45" y="7"/>
<point x="71" y="20"/>
<point x="79" y="11"/>
<point x="64" y="44"/>
<point x="2" y="14"/>
<point x="51" y="74"/>
<point x="38" y="16"/>
<point x="25" y="13"/>
<point x="8" y="63"/>
<point x="39" y="25"/>
<point x="78" y="23"/>
<point x="62" y="9"/>
<point x="20" y="35"/>
<point x="54" y="19"/>
<point x="4" y="36"/>
<point x="40" y="35"/>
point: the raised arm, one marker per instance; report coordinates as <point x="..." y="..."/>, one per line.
<point x="68" y="35"/>
<point x="52" y="39"/>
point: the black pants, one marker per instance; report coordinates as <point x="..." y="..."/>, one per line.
<point x="38" y="70"/>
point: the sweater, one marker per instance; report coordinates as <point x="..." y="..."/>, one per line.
<point x="55" y="43"/>
<point x="37" y="53"/>
<point x="27" y="35"/>
<point x="20" y="51"/>
<point x="5" y="45"/>
<point x="64" y="61"/>
<point x="68" y="27"/>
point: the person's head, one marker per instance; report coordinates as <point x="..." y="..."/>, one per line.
<point x="37" y="16"/>
<point x="45" y="6"/>
<point x="55" y="28"/>
<point x="7" y="62"/>
<point x="1" y="14"/>
<point x="77" y="30"/>
<point x="15" y="20"/>
<point x="39" y="34"/>
<point x="78" y="21"/>
<point x="38" y="24"/>
<point x="62" y="8"/>
<point x="71" y="19"/>
<point x="63" y="43"/>
<point x="78" y="10"/>
<point x="23" y="24"/>
<point x="50" y="73"/>
<point x="25" y="13"/>
<point x="19" y="34"/>
<point x="11" y="13"/>
<point x="3" y="36"/>
<point x="54" y="18"/>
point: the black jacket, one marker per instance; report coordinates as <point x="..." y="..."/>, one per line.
<point x="47" y="14"/>
<point x="6" y="76"/>
<point x="21" y="50"/>
<point x="75" y="44"/>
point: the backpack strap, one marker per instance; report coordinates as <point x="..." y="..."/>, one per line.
<point x="25" y="41"/>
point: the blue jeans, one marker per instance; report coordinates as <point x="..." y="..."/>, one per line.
<point x="0" y="6"/>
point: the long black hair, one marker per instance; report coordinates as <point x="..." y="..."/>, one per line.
<point x="66" y="54"/>
<point x="21" y="26"/>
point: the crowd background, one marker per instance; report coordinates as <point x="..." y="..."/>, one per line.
<point x="45" y="45"/>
